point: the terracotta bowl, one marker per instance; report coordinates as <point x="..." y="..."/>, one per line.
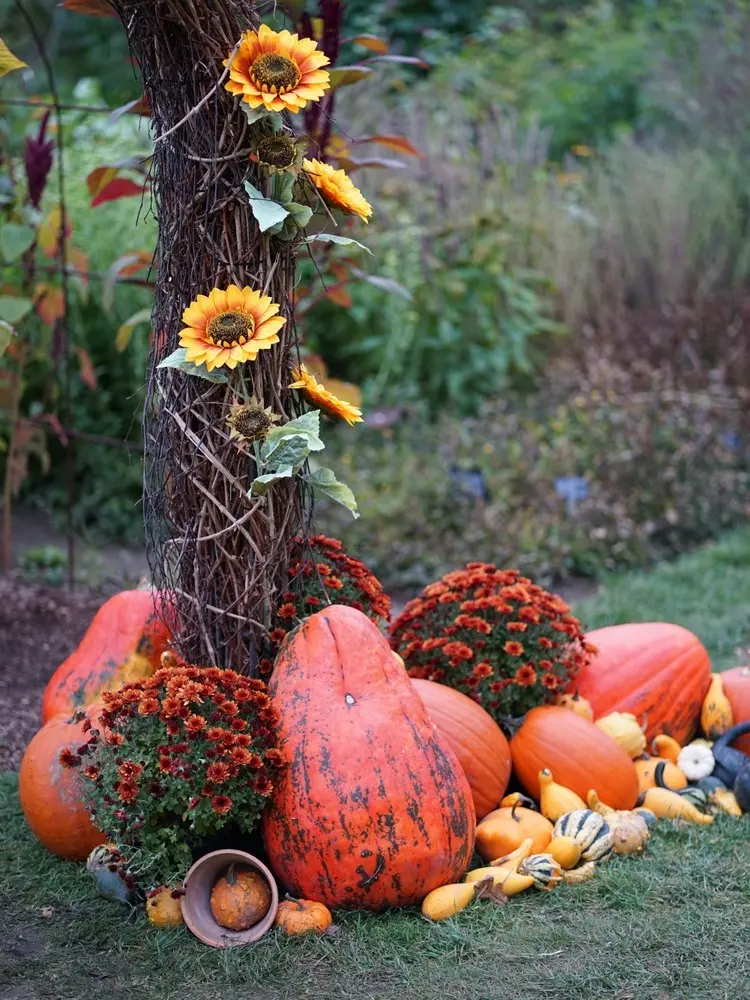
<point x="196" y="905"/>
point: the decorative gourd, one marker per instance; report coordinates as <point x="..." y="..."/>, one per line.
<point x="583" y="874"/>
<point x="696" y="761"/>
<point x="658" y="672"/>
<point x="500" y="867"/>
<point x="474" y="737"/>
<point x="716" y="711"/>
<point x="566" y="851"/>
<point x="518" y="855"/>
<point x="49" y="792"/>
<point x="737" y="689"/>
<point x="590" y="830"/>
<point x="123" y="643"/>
<point x="302" y="916"/>
<point x="372" y="808"/>
<point x="448" y="900"/>
<point x="630" y="832"/>
<point x="670" y="805"/>
<point x="665" y="747"/>
<point x="240" y="899"/>
<point x="727" y="759"/>
<point x="727" y="802"/>
<point x="593" y="802"/>
<point x="544" y="869"/>
<point x="670" y="776"/>
<point x="741" y="790"/>
<point x="164" y="909"/>
<point x="575" y="703"/>
<point x="696" y="796"/>
<point x="517" y="798"/>
<point x="504" y="830"/>
<point x="514" y="883"/>
<point x="577" y="752"/>
<point x="623" y="728"/>
<point x="556" y="800"/>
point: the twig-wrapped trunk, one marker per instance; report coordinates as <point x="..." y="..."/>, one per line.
<point x="220" y="554"/>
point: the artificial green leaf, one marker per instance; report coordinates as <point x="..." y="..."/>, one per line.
<point x="326" y="481"/>
<point x="254" y="115"/>
<point x="290" y="452"/>
<point x="344" y="241"/>
<point x="301" y="214"/>
<point x="8" y="61"/>
<point x="125" y="332"/>
<point x="6" y="335"/>
<point x="267" y="213"/>
<point x="14" y="308"/>
<point x="15" y="240"/>
<point x="177" y="360"/>
<point x="282" y="185"/>
<point x="307" y="426"/>
<point x="261" y="485"/>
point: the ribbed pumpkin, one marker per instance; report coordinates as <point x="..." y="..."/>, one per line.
<point x="372" y="808"/>
<point x="49" y="792"/>
<point x="577" y="752"/>
<point x="474" y="737"/>
<point x="656" y="671"/>
<point x="122" y="644"/>
<point x="737" y="689"/>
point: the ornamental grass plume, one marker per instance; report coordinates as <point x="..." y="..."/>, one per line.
<point x="493" y="635"/>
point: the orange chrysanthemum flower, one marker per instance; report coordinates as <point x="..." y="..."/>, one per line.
<point x="277" y="71"/>
<point x="229" y="326"/>
<point x="513" y="648"/>
<point x="316" y="394"/>
<point x="525" y="675"/>
<point x="337" y="189"/>
<point x="217" y="772"/>
<point x="221" y="804"/>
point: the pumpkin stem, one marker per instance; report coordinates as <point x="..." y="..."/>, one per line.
<point x="230" y="876"/>
<point x="522" y="800"/>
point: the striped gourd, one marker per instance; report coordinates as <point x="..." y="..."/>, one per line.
<point x="543" y="868"/>
<point x="590" y="829"/>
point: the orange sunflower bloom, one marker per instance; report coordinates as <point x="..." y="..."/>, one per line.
<point x="316" y="394"/>
<point x="337" y="189"/>
<point x="277" y="71"/>
<point x="229" y="326"/>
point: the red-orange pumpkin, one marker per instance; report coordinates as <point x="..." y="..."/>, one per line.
<point x="476" y="740"/>
<point x="580" y="755"/>
<point x="658" y="672"/>
<point x="372" y="808"/>
<point x="122" y="644"/>
<point x="49" y="792"/>
<point x="737" y="688"/>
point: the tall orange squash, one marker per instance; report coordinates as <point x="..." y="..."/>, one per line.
<point x="372" y="809"/>
<point x="737" y="688"/>
<point x="123" y="643"/>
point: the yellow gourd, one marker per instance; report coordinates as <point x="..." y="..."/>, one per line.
<point x="593" y="802"/>
<point x="669" y="805"/>
<point x="556" y="800"/>
<point x="501" y="867"/>
<point x="666" y="747"/>
<point x="725" y="801"/>
<point x="716" y="711"/>
<point x="517" y="856"/>
<point x="578" y="875"/>
<point x="163" y="908"/>
<point x="448" y="900"/>
<point x="670" y="774"/>
<point x="625" y="731"/>
<point x="566" y="851"/>
<point x="513" y="883"/>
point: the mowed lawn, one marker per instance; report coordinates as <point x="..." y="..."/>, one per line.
<point x="672" y="925"/>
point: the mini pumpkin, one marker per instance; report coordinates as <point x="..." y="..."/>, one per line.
<point x="670" y="775"/>
<point x="543" y="868"/>
<point x="696" y="761"/>
<point x="590" y="830"/>
<point x="303" y="916"/>
<point x="624" y="729"/>
<point x="163" y="907"/>
<point x="630" y="832"/>
<point x="240" y="899"/>
<point x="566" y="851"/>
<point x="666" y="747"/>
<point x="504" y="830"/>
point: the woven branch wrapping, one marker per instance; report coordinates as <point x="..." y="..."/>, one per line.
<point x="221" y="555"/>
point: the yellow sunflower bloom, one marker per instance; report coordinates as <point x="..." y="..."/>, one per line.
<point x="318" y="396"/>
<point x="229" y="326"/>
<point x="336" y="189"/>
<point x="277" y="70"/>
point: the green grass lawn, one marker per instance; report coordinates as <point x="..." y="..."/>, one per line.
<point x="669" y="926"/>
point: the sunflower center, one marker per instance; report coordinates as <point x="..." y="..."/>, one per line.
<point x="274" y="72"/>
<point x="251" y="422"/>
<point x="278" y="151"/>
<point x="230" y="329"/>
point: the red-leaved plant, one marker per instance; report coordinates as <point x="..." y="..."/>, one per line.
<point x="494" y="635"/>
<point x="176" y="759"/>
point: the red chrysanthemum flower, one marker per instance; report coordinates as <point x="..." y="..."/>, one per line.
<point x="516" y="626"/>
<point x="525" y="676"/>
<point x="221" y="804"/>
<point x="148" y="706"/>
<point x="67" y="758"/>
<point x="129" y="770"/>
<point x="215" y="734"/>
<point x="127" y="791"/>
<point x="513" y="648"/>
<point x="194" y="723"/>
<point x="550" y="681"/>
<point x="91" y="771"/>
<point x="287" y="611"/>
<point x="217" y="772"/>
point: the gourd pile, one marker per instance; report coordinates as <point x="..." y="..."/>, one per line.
<point x="395" y="792"/>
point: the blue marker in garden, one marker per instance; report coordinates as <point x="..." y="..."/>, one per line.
<point x="572" y="489"/>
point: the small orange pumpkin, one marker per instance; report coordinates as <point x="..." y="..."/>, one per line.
<point x="303" y="916"/>
<point x="240" y="899"/>
<point x="504" y="830"/>
<point x="671" y="776"/>
<point x="737" y="688"/>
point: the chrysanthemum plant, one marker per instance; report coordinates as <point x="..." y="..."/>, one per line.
<point x="174" y="760"/>
<point x="493" y="635"/>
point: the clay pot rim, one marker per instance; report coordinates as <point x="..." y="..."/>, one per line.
<point x="199" y="882"/>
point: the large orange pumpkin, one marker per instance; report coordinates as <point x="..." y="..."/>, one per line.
<point x="372" y="808"/>
<point x="657" y="671"/>
<point x="122" y="644"/>
<point x="49" y="792"/>
<point x="737" y="688"/>
<point x="578" y="753"/>
<point x="475" y="738"/>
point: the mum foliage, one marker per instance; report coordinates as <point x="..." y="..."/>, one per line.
<point x="494" y="635"/>
<point x="178" y="758"/>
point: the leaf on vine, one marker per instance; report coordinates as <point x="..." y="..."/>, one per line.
<point x="262" y="484"/>
<point x="300" y="214"/>
<point x="99" y="178"/>
<point x="345" y="76"/>
<point x="97" y="8"/>
<point x="395" y="142"/>
<point x="267" y="213"/>
<point x="386" y="284"/>
<point x="125" y="332"/>
<point x="254" y="115"/>
<point x="120" y="187"/>
<point x="49" y="232"/>
<point x="339" y="295"/>
<point x="78" y="268"/>
<point x="344" y="241"/>
<point x="15" y="240"/>
<point x="6" y="335"/>
<point x="406" y="60"/>
<point x="9" y="62"/>
<point x="326" y="482"/>
<point x="86" y="368"/>
<point x="13" y="308"/>
<point x="307" y="425"/>
<point x="375" y="163"/>
<point x="128" y="264"/>
<point x="49" y="303"/>
<point x="291" y="452"/>
<point x="177" y="360"/>
<point x="372" y="42"/>
<point x="140" y="106"/>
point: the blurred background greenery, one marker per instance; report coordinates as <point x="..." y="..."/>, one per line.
<point x="555" y="349"/>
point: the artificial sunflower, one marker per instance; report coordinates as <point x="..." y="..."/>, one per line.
<point x="229" y="326"/>
<point x="318" y="396"/>
<point x="250" y="422"/>
<point x="336" y="189"/>
<point x="277" y="70"/>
